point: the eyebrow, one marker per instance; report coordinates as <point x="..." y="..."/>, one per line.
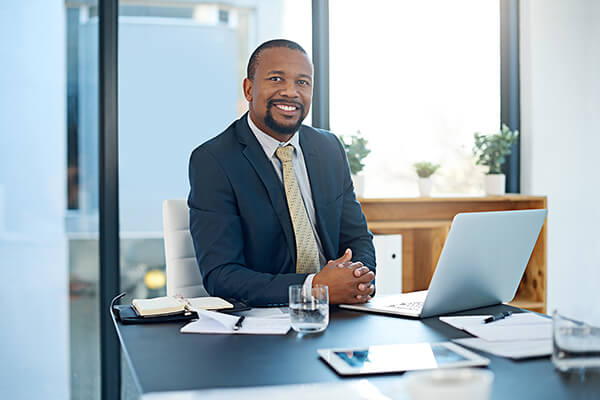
<point x="279" y="72"/>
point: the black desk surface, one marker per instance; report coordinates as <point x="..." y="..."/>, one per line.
<point x="162" y="359"/>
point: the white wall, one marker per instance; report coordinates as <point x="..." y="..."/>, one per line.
<point x="560" y="121"/>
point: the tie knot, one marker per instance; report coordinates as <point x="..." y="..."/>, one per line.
<point x="284" y="153"/>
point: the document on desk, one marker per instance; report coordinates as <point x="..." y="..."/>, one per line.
<point x="510" y="349"/>
<point x="522" y="326"/>
<point x="521" y="335"/>
<point x="218" y="323"/>
<point x="268" y="312"/>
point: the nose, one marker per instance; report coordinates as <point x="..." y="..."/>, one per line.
<point x="289" y="89"/>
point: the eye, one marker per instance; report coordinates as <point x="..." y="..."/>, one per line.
<point x="303" y="82"/>
<point x="275" y="79"/>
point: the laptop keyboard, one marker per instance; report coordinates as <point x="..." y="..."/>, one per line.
<point x="409" y="305"/>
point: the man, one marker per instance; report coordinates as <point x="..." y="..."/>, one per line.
<point x="271" y="199"/>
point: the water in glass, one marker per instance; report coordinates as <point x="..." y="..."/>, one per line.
<point x="309" y="308"/>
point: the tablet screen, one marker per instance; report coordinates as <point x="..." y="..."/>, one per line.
<point x="400" y="357"/>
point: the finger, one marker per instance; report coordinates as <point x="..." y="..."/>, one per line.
<point x="358" y="272"/>
<point x="362" y="299"/>
<point x="356" y="299"/>
<point x="345" y="264"/>
<point x="366" y="288"/>
<point x="368" y="277"/>
<point x="356" y="264"/>
<point x="347" y="256"/>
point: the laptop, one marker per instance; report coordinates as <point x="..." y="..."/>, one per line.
<point x="482" y="262"/>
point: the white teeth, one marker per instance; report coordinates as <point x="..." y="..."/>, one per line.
<point x="286" y="108"/>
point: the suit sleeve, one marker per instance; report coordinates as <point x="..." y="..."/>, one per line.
<point x="354" y="233"/>
<point x="216" y="229"/>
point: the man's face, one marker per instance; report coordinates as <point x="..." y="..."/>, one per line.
<point x="279" y="96"/>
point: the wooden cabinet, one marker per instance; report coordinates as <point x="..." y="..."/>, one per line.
<point x="424" y="224"/>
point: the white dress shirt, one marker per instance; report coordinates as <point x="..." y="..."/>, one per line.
<point x="269" y="146"/>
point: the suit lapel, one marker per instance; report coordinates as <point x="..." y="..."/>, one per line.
<point x="264" y="169"/>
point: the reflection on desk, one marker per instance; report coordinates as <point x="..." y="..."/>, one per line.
<point x="349" y="390"/>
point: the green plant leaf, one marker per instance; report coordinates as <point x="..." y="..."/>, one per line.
<point x="356" y="150"/>
<point x="491" y="150"/>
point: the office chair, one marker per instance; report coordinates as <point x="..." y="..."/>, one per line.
<point x="183" y="274"/>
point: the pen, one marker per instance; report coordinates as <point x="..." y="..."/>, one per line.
<point x="238" y="324"/>
<point x="496" y="317"/>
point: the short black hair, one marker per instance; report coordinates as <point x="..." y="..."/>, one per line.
<point x="253" y="62"/>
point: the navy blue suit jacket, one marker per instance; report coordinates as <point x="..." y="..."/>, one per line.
<point x="239" y="219"/>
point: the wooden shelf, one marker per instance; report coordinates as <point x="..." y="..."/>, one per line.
<point x="385" y="227"/>
<point x="537" y="306"/>
<point x="424" y="223"/>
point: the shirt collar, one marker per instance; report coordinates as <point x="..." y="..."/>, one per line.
<point x="269" y="143"/>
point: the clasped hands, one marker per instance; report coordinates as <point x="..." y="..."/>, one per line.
<point x="349" y="282"/>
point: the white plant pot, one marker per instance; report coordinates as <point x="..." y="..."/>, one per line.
<point x="425" y="185"/>
<point x="359" y="185"/>
<point x="494" y="184"/>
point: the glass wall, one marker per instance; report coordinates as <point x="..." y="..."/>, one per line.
<point x="48" y="214"/>
<point x="417" y="79"/>
<point x="81" y="225"/>
<point x="181" y="67"/>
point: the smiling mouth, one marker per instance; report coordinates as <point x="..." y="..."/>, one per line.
<point x="286" y="107"/>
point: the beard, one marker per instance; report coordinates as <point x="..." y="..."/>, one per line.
<point x="280" y="128"/>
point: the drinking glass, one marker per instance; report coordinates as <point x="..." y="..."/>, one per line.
<point x="309" y="308"/>
<point x="576" y="344"/>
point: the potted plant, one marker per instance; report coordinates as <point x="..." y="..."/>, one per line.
<point x="491" y="151"/>
<point x="356" y="151"/>
<point x="424" y="171"/>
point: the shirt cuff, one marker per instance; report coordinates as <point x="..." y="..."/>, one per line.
<point x="308" y="283"/>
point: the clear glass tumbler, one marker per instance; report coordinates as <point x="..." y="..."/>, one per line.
<point x="576" y="344"/>
<point x="309" y="308"/>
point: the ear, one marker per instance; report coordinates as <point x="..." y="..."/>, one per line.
<point x="248" y="89"/>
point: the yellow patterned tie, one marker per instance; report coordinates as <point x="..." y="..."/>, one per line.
<point x="307" y="253"/>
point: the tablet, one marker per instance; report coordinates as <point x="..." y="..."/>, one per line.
<point x="384" y="359"/>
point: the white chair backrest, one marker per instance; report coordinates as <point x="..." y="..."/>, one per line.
<point x="183" y="274"/>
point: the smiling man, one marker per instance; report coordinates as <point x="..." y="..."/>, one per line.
<point x="271" y="200"/>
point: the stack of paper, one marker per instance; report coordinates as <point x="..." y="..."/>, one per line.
<point x="215" y="322"/>
<point x="521" y="335"/>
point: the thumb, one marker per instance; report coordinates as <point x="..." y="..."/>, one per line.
<point x="347" y="256"/>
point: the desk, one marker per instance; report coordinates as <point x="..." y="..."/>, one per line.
<point x="162" y="359"/>
<point x="424" y="223"/>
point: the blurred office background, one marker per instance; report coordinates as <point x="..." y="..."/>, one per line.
<point x="416" y="78"/>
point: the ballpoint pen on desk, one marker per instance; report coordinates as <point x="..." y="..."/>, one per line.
<point x="238" y="323"/>
<point x="496" y="317"/>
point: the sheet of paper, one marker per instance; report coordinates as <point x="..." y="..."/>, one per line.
<point x="462" y="322"/>
<point x="501" y="333"/>
<point x="209" y="303"/>
<point x="215" y="322"/>
<point x="466" y="321"/>
<point x="510" y="349"/>
<point x="271" y="312"/>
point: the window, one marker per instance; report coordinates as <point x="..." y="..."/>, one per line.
<point x="417" y="79"/>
